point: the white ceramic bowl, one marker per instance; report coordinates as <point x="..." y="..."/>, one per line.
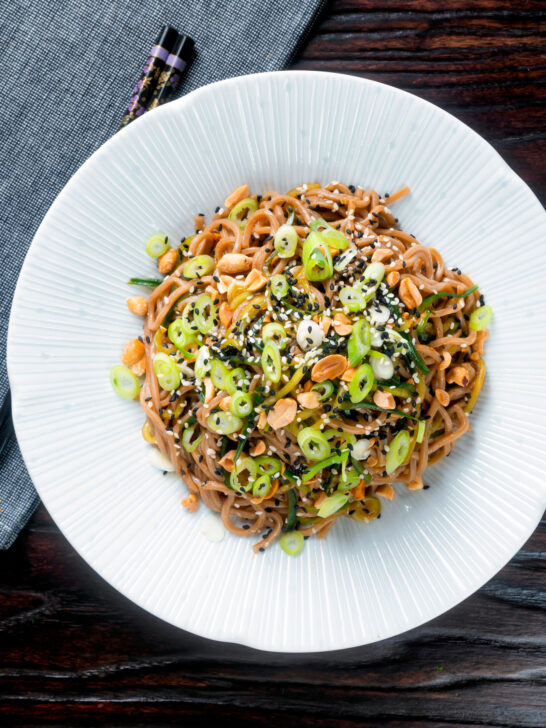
<point x="69" y="322"/>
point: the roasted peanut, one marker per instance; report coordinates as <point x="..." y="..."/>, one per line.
<point x="236" y="196"/>
<point x="226" y="314"/>
<point x="255" y="280"/>
<point x="385" y="490"/>
<point x="461" y="375"/>
<point x="446" y="360"/>
<point x="384" y="400"/>
<point x="138" y="305"/>
<point x="167" y="262"/>
<point x="329" y="367"/>
<point x="228" y="461"/>
<point x="442" y="396"/>
<point x="381" y="254"/>
<point x="283" y="413"/>
<point x="348" y="374"/>
<point x="342" y="324"/>
<point x="409" y="293"/>
<point x="225" y="283"/>
<point x="325" y="324"/>
<point x="233" y="263"/>
<point x="190" y="502"/>
<point x="210" y="389"/>
<point x="133" y="352"/>
<point x="139" y="368"/>
<point x="258" y="449"/>
<point x="308" y="400"/>
<point x="392" y="278"/>
<point x="224" y="403"/>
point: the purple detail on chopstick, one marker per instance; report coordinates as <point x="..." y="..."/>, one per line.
<point x="144" y="90"/>
<point x="176" y="62"/>
<point x="159" y="52"/>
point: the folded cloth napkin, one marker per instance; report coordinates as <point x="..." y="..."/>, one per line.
<point x="68" y="72"/>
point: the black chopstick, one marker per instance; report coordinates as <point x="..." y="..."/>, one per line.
<point x="160" y="77"/>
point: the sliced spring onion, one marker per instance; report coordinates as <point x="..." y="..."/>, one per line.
<point x="124" y="383"/>
<point x="243" y="210"/>
<point x="202" y="363"/>
<point x="352" y="298"/>
<point x="382" y="365"/>
<point x="404" y="390"/>
<point x="291" y="515"/>
<point x="400" y="413"/>
<point x="161" y="343"/>
<point x="271" y="362"/>
<point x="343" y="260"/>
<point x="157" y="245"/>
<point x="426" y="302"/>
<point x="218" y="374"/>
<point x="371" y="280"/>
<point x="151" y="282"/>
<point x="185" y="243"/>
<point x="241" y="404"/>
<point x="198" y="267"/>
<point x="204" y="313"/>
<point x="359" y="342"/>
<point x="421" y="425"/>
<point x="147" y="433"/>
<point x="262" y="486"/>
<point x="279" y="286"/>
<point x="187" y="435"/>
<point x="313" y="444"/>
<point x="480" y="318"/>
<point x="276" y="333"/>
<point x="292" y="542"/>
<point x="243" y="437"/>
<point x="361" y="383"/>
<point x="268" y="465"/>
<point x="349" y="480"/>
<point x="414" y="354"/>
<point x="331" y="505"/>
<point x="423" y="320"/>
<point x="323" y="389"/>
<point x="370" y="509"/>
<point x="234" y="380"/>
<point x="224" y="423"/>
<point x="399" y="448"/>
<point x="286" y="241"/>
<point x="329" y="235"/>
<point x="243" y="474"/>
<point x="166" y="371"/>
<point x="178" y="334"/>
<point x="310" y="473"/>
<point x="374" y="272"/>
<point x="318" y="266"/>
<point x="291" y="384"/>
<point x="291" y="215"/>
<point x="188" y="320"/>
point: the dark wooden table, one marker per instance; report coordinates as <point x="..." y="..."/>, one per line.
<point x="73" y="651"/>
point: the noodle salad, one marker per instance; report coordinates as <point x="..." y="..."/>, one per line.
<point x="299" y="355"/>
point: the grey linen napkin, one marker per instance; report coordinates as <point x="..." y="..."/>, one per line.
<point x="68" y="71"/>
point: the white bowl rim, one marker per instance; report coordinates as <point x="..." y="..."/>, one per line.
<point x="175" y="107"/>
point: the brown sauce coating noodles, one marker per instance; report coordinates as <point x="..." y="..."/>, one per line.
<point x="441" y="391"/>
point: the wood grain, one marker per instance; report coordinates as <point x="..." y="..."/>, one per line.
<point x="74" y="651"/>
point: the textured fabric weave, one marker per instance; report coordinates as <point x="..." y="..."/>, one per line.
<point x="68" y="71"/>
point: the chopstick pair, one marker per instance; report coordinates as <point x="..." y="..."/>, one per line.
<point x="169" y="57"/>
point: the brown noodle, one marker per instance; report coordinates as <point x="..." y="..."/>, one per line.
<point x="442" y="403"/>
